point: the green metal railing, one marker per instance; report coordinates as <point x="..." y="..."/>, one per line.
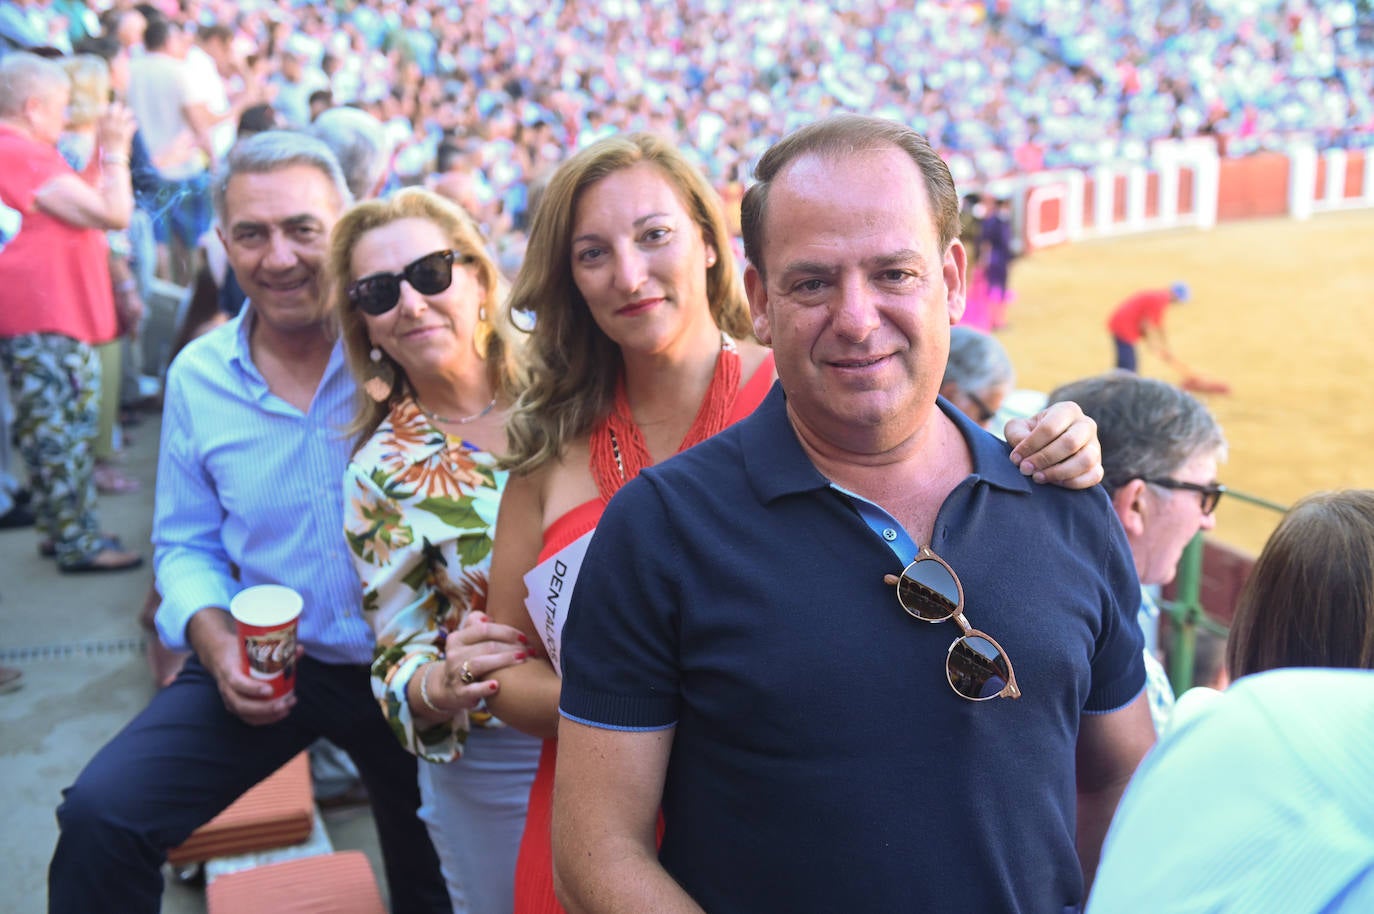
<point x="1185" y="610"/>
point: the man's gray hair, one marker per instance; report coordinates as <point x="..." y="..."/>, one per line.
<point x="1148" y="428"/>
<point x="24" y="76"/>
<point x="273" y="150"/>
<point x="360" y="144"/>
<point x="977" y="362"/>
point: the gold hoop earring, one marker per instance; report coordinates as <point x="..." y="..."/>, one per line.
<point x="381" y="380"/>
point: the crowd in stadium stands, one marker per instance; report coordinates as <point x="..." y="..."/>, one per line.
<point x="490" y="103"/>
<point x="501" y="88"/>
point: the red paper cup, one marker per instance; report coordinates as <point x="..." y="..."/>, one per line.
<point x="266" y="618"/>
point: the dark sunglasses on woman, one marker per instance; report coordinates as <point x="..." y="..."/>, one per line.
<point x="429" y="275"/>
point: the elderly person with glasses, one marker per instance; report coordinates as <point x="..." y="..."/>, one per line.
<point x="1160" y="449"/>
<point x="978" y="375"/>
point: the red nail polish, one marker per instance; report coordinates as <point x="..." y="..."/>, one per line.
<point x="491" y="686"/>
<point x="523" y="639"/>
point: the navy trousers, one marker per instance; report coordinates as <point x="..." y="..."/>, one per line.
<point x="1125" y="354"/>
<point x="184" y="758"/>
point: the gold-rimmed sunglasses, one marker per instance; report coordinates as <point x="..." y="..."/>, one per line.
<point x="976" y="665"/>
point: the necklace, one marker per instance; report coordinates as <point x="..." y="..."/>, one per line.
<point x="617" y="444"/>
<point x="436" y="418"/>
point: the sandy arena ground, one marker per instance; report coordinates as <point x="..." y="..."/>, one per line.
<point x="1281" y="310"/>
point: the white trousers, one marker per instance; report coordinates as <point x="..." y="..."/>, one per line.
<point x="474" y="808"/>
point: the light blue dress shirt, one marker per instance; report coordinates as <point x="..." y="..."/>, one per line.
<point x="1258" y="803"/>
<point x="246" y="480"/>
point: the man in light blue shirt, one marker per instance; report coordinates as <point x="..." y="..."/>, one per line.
<point x="1259" y="802"/>
<point x="249" y="493"/>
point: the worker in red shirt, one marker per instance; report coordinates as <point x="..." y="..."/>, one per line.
<point x="1142" y="317"/>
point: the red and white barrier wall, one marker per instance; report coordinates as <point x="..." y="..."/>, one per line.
<point x="1186" y="184"/>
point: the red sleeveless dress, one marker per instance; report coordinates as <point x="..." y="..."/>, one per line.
<point x="534" y="867"/>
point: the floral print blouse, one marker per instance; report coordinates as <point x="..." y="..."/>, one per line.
<point x="419" y="516"/>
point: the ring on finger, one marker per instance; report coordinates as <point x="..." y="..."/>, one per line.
<point x="466" y="675"/>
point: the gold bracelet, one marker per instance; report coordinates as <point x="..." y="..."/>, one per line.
<point x="424" y="691"/>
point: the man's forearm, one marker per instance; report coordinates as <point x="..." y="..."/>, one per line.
<point x="208" y="631"/>
<point x="600" y="881"/>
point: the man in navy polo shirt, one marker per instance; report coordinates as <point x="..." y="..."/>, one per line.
<point x="824" y="730"/>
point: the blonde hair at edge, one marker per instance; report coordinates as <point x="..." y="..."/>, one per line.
<point x="90" y="76"/>
<point x="502" y="345"/>
<point x="572" y="364"/>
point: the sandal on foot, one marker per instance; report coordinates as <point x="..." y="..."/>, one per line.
<point x="107" y="559"/>
<point x="110" y="481"/>
<point x="48" y="549"/>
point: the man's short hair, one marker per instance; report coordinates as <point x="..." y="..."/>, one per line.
<point x="1148" y="428"/>
<point x="258" y="119"/>
<point x="156" y="34"/>
<point x="24" y="76"/>
<point x="840" y="135"/>
<point x="215" y="31"/>
<point x="271" y="151"/>
<point x="977" y="361"/>
<point x="448" y="153"/>
<point x="359" y="141"/>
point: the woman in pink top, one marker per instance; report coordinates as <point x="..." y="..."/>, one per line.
<point x="641" y="347"/>
<point x="59" y="303"/>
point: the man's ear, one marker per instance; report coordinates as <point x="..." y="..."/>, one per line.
<point x="756" y="291"/>
<point x="956" y="277"/>
<point x="1129" y="502"/>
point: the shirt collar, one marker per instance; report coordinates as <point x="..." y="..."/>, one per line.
<point x="241" y="354"/>
<point x="776" y="464"/>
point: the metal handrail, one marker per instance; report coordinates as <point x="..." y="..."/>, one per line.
<point x="1186" y="611"/>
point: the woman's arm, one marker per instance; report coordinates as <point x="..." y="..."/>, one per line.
<point x="381" y="544"/>
<point x="425" y="678"/>
<point x="109" y="202"/>
<point x="528" y="695"/>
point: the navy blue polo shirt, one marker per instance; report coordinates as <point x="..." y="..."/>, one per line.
<point x="820" y="760"/>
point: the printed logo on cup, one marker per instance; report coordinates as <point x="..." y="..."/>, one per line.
<point x="266" y="615"/>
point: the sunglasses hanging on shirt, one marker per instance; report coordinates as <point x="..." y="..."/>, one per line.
<point x="976" y="666"/>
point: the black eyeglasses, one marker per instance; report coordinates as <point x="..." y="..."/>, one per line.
<point x="1211" y="492"/>
<point x="984" y="414"/>
<point x="431" y="274"/>
<point x="976" y="666"/>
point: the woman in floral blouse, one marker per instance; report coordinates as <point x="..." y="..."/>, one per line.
<point x="420" y="302"/>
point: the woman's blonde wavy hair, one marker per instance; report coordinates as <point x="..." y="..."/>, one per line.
<point x="503" y="342"/>
<point x="90" y="76"/>
<point x="572" y="365"/>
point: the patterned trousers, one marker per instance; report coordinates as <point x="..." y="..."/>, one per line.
<point x="54" y="384"/>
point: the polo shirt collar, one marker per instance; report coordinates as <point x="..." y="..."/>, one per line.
<point x="776" y="465"/>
